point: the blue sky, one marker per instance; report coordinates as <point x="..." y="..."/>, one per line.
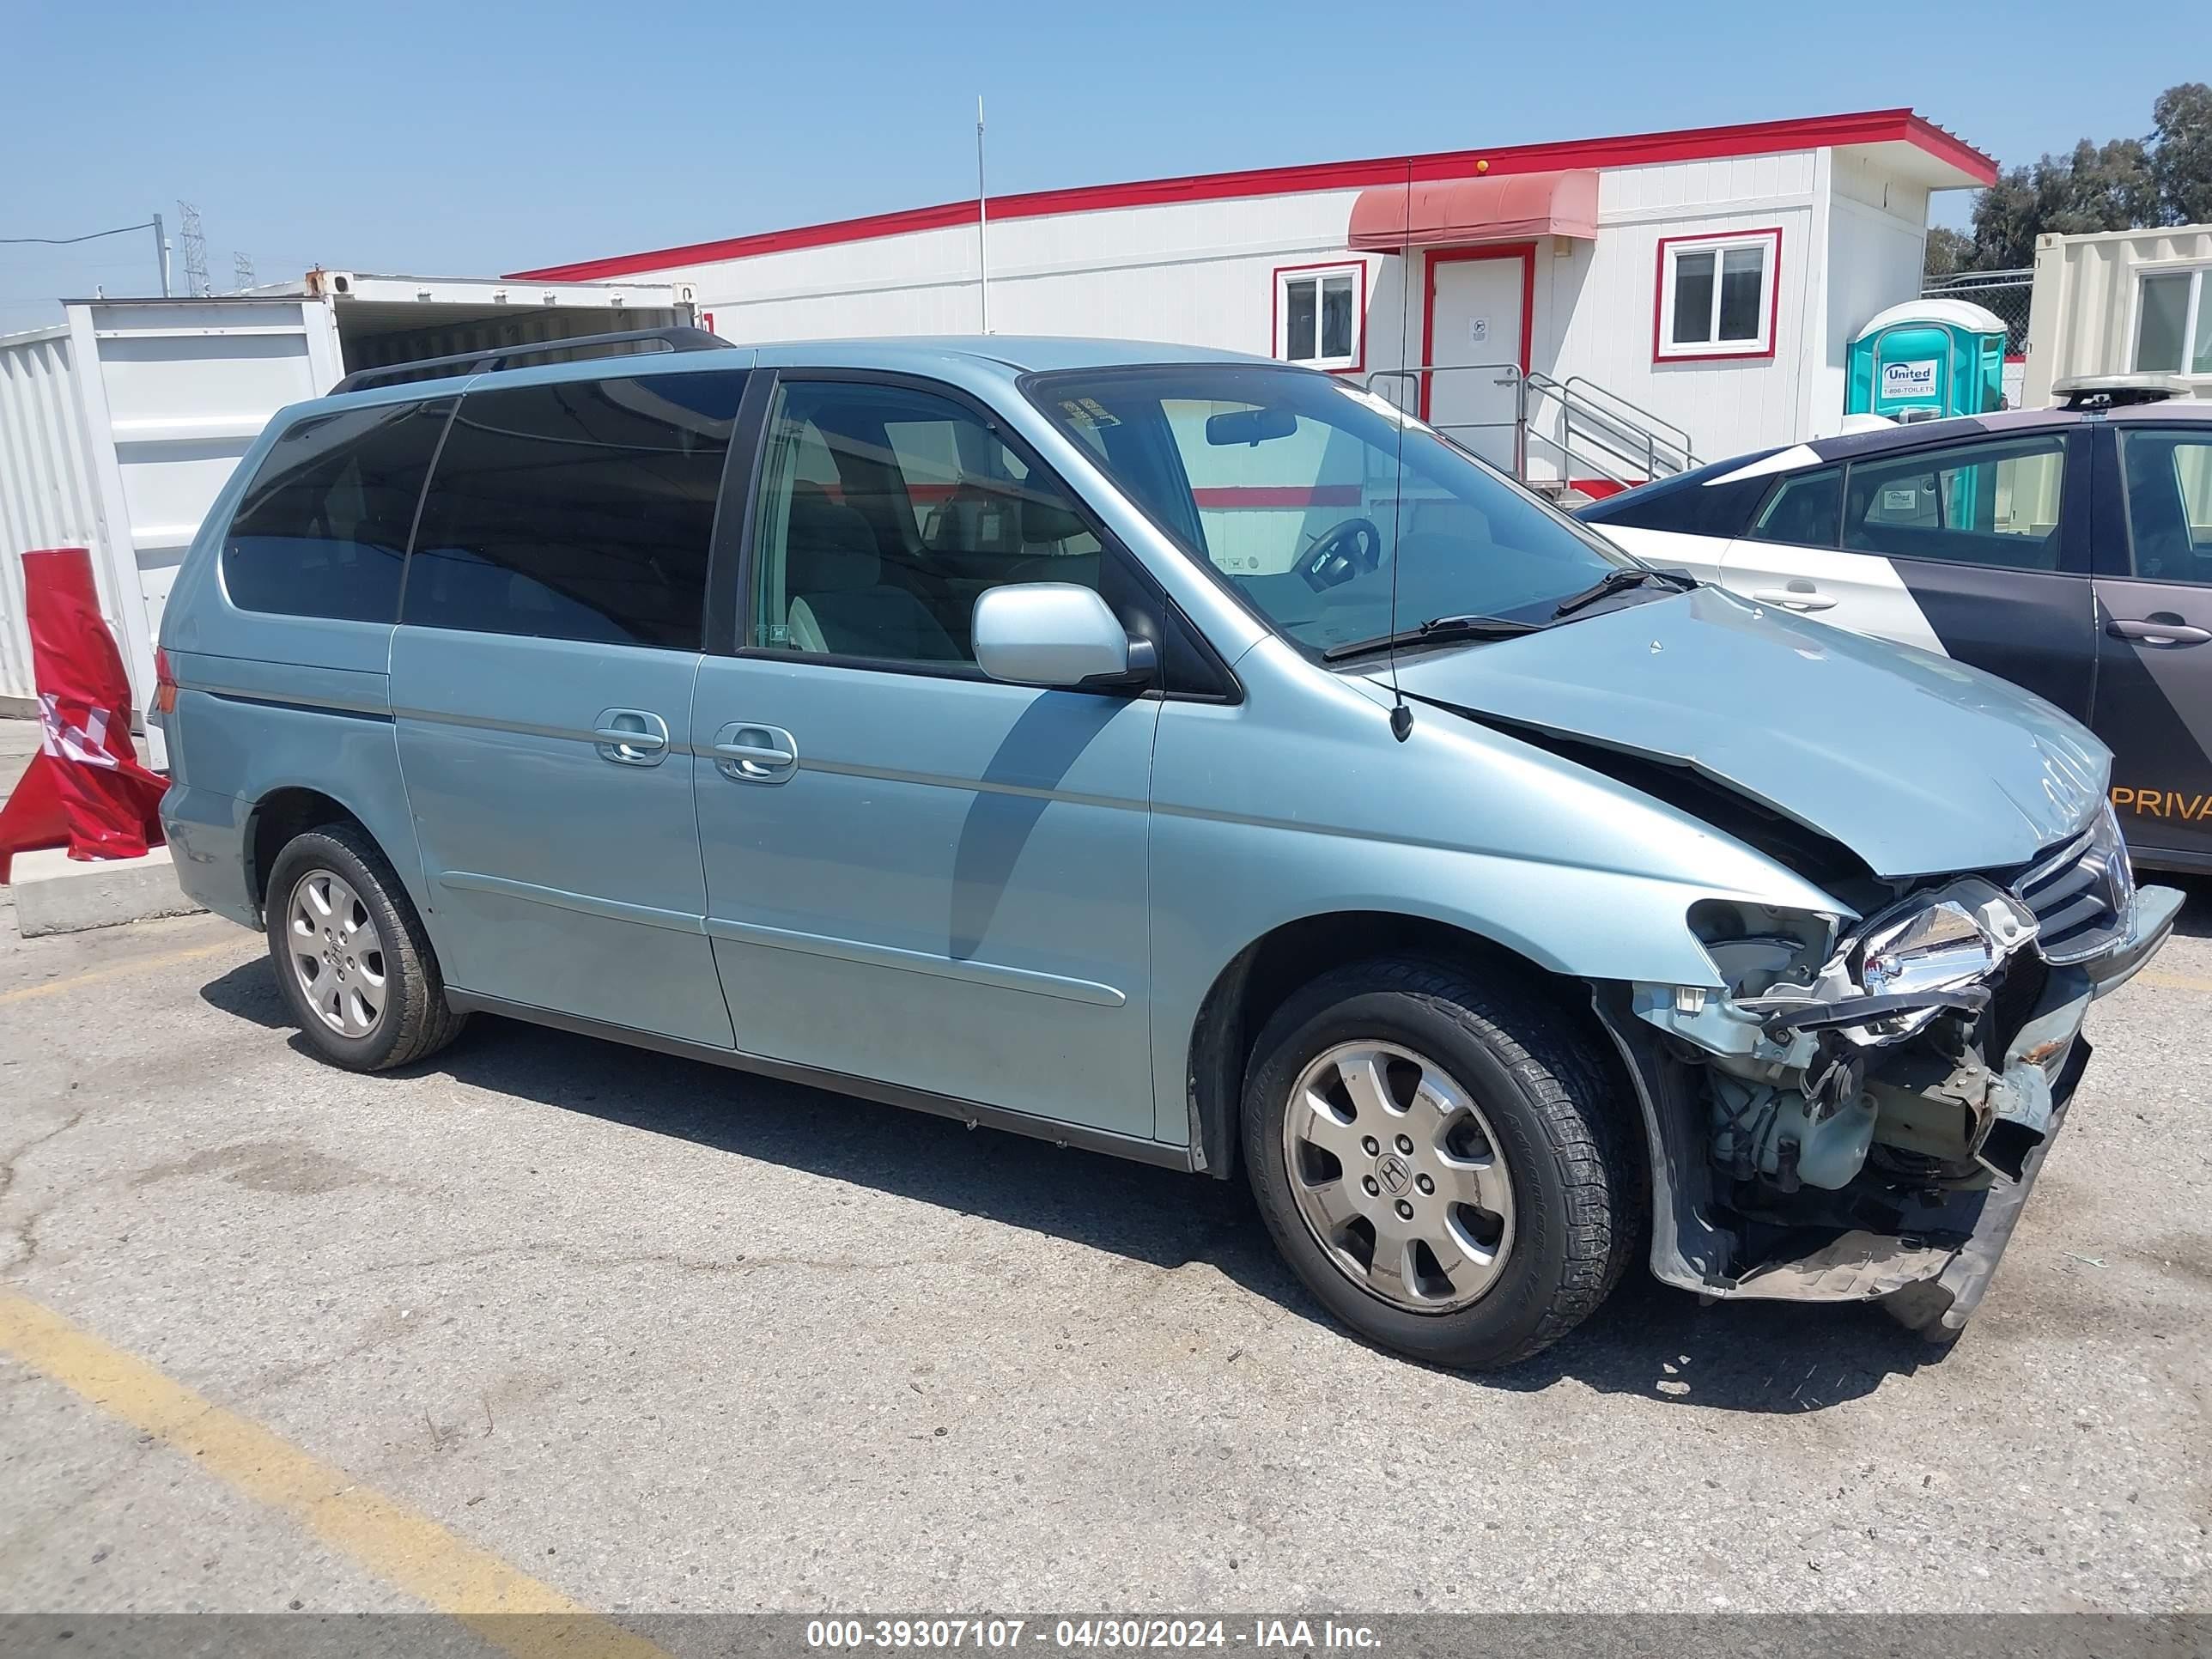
<point x="468" y="139"/>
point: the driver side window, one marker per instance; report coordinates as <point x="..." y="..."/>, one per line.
<point x="885" y="512"/>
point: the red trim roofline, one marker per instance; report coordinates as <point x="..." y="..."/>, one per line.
<point x="1636" y="149"/>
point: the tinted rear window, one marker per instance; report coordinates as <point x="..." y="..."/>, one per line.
<point x="322" y="531"/>
<point x="1685" y="503"/>
<point x="578" y="511"/>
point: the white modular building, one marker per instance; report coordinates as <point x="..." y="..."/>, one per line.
<point x="1589" y="314"/>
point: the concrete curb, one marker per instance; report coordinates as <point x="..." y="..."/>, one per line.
<point x="57" y="894"/>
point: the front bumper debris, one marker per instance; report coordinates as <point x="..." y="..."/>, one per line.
<point x="1929" y="1281"/>
<point x="1926" y="1250"/>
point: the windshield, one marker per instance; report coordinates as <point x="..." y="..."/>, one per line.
<point x="1289" y="483"/>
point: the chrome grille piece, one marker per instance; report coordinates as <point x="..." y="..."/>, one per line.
<point x="2082" y="892"/>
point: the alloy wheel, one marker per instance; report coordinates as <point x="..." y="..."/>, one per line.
<point x="1395" y="1172"/>
<point x="337" y="955"/>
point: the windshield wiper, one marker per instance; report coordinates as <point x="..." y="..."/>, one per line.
<point x="1470" y="627"/>
<point x="1619" y="581"/>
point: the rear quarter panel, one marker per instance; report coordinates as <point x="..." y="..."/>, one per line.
<point x="268" y="702"/>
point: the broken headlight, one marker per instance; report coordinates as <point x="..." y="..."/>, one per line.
<point x="1932" y="952"/>
<point x="1942" y="942"/>
<point x="1937" y="949"/>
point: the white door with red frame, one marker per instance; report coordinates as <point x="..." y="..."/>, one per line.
<point x="1476" y="304"/>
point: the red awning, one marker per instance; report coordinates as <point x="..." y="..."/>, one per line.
<point x="1513" y="207"/>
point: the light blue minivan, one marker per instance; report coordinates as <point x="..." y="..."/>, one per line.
<point x="1167" y="753"/>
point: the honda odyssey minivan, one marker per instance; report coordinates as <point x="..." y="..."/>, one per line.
<point x="1170" y="754"/>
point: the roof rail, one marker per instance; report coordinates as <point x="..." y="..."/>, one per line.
<point x="683" y="339"/>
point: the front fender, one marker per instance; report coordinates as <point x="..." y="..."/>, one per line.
<point x="1459" y="825"/>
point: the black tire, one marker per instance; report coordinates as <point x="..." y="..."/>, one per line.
<point x="415" y="1019"/>
<point x="1573" y="1153"/>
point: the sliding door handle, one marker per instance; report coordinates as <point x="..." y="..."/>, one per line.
<point x="762" y="753"/>
<point x="746" y="753"/>
<point x="625" y="738"/>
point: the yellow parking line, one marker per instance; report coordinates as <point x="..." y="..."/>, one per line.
<point x="145" y="965"/>
<point x="408" y="1550"/>
<point x="2173" y="981"/>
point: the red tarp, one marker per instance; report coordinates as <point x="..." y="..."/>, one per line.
<point x="85" y="789"/>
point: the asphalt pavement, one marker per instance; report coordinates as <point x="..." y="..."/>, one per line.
<point x="640" y="1335"/>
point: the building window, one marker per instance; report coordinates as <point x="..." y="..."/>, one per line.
<point x="2173" y="324"/>
<point x="1319" y="309"/>
<point x="1716" y="295"/>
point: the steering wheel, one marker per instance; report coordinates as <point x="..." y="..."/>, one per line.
<point x="1344" y="552"/>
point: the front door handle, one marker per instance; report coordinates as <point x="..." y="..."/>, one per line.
<point x="630" y="737"/>
<point x="2156" y="630"/>
<point x="1795" y="598"/>
<point x="745" y="752"/>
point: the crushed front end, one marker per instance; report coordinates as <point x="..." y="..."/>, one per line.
<point x="1861" y="1111"/>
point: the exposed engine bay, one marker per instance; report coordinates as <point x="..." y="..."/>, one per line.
<point x="1856" y="1103"/>
<point x="1869" y="1096"/>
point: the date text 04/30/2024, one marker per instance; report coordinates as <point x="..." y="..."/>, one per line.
<point x="1098" y="1634"/>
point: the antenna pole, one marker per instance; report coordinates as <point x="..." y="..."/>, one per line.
<point x="1401" y="715"/>
<point x="982" y="223"/>
<point x="161" y="253"/>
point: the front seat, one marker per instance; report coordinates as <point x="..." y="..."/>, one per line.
<point x="840" y="604"/>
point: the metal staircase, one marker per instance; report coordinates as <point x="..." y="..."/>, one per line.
<point x="1562" y="430"/>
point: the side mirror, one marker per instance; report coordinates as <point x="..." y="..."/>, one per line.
<point x="1056" y="634"/>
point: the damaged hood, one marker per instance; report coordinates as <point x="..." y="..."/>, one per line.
<point x="1920" y="765"/>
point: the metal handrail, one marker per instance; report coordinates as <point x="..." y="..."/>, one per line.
<point x="1656" y="422"/>
<point x="1571" y="460"/>
<point x="1611" y="425"/>
<point x="1510" y="373"/>
<point x="1604" y="417"/>
<point x="1586" y="427"/>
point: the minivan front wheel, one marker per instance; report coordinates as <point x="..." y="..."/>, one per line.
<point x="351" y="957"/>
<point x="1443" y="1163"/>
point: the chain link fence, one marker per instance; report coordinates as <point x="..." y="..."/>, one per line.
<point x="2003" y="292"/>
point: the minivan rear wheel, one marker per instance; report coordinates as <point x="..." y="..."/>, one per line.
<point x="351" y="957"/>
<point x="1444" y="1164"/>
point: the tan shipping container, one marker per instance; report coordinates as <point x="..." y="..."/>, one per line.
<point x="2086" y="312"/>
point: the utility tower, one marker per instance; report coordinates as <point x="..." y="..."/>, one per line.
<point x="241" y="272"/>
<point x="197" y="283"/>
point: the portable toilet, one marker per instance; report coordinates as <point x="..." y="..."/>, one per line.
<point x="1926" y="359"/>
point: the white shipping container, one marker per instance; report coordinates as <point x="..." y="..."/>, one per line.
<point x="46" y="492"/>
<point x="2086" y="310"/>
<point x="119" y="427"/>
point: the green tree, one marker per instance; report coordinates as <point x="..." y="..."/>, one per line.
<point x="1948" y="251"/>
<point x="2107" y="186"/>
<point x="2181" y="163"/>
<point x="2123" y="184"/>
